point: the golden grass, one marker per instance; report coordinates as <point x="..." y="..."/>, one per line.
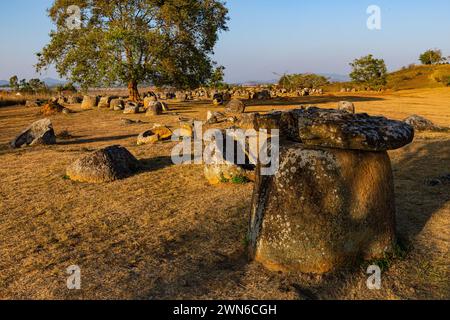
<point x="166" y="234"/>
<point x="11" y="99"/>
<point x="410" y="78"/>
<point x="418" y="77"/>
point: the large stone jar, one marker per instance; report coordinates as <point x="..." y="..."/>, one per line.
<point x="331" y="203"/>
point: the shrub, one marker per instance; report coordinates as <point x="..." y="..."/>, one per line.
<point x="240" y="180"/>
<point x="67" y="87"/>
<point x="299" y="81"/>
<point x="369" y="72"/>
<point x="432" y="56"/>
<point x="441" y="76"/>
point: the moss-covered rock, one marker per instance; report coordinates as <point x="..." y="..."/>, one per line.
<point x="338" y="129"/>
<point x="39" y="133"/>
<point x="105" y="165"/>
<point x="323" y="210"/>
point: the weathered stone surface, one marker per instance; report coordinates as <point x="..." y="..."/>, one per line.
<point x="323" y="210"/>
<point x="226" y="96"/>
<point x="162" y="131"/>
<point x="51" y="108"/>
<point x="263" y="95"/>
<point x="74" y="99"/>
<point x="218" y="99"/>
<point x="270" y="121"/>
<point x="148" y="101"/>
<point x="219" y="173"/>
<point x="147" y="137"/>
<point x="117" y="104"/>
<point x="89" y="102"/>
<point x="156" y="134"/>
<point x="131" y="108"/>
<point x="105" y="165"/>
<point x="337" y="129"/>
<point x="346" y="106"/>
<point x="105" y="102"/>
<point x="352" y="131"/>
<point x="421" y="124"/>
<point x="186" y="129"/>
<point x="235" y="106"/>
<point x="219" y="168"/>
<point x="39" y="133"/>
<point x="151" y="94"/>
<point x="440" y="181"/>
<point x="213" y="117"/>
<point x="60" y="100"/>
<point x="155" y="109"/>
<point x="247" y="120"/>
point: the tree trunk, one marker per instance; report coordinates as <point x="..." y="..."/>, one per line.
<point x="133" y="91"/>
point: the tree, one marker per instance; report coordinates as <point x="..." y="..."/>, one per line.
<point x="67" y="87"/>
<point x="24" y="86"/>
<point x="300" y="81"/>
<point x="36" y="85"/>
<point x="14" y="83"/>
<point x="369" y="71"/>
<point x="217" y="77"/>
<point x="431" y="56"/>
<point x="164" y="42"/>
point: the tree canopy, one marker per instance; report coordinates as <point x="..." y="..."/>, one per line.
<point x="14" y="83"/>
<point x="369" y="71"/>
<point x="217" y="78"/>
<point x="31" y="86"/>
<point x="164" y="42"/>
<point x="298" y="81"/>
<point x="432" y="56"/>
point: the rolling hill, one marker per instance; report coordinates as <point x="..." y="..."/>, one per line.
<point x="412" y="77"/>
<point x="417" y="77"/>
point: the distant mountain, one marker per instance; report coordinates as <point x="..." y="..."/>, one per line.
<point x="51" y="82"/>
<point x="257" y="82"/>
<point x="334" y="77"/>
<point x="4" y="83"/>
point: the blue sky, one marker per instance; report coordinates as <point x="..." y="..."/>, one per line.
<point x="268" y="36"/>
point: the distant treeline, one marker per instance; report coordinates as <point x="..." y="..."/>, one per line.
<point x="308" y="80"/>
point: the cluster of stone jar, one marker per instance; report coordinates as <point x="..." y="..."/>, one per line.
<point x="331" y="203"/>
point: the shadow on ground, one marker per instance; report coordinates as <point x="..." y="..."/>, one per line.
<point x="309" y="100"/>
<point x="154" y="164"/>
<point x="411" y="172"/>
<point x="93" y="140"/>
<point x="199" y="277"/>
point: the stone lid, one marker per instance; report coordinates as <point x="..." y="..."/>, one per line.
<point x="336" y="129"/>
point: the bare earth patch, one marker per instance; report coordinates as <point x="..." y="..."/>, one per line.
<point x="164" y="233"/>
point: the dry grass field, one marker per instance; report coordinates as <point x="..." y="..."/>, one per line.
<point x="164" y="233"/>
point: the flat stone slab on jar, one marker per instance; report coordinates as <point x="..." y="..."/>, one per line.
<point x="39" y="133"/>
<point x="336" y="129"/>
<point x="105" y="165"/>
<point x="325" y="209"/>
